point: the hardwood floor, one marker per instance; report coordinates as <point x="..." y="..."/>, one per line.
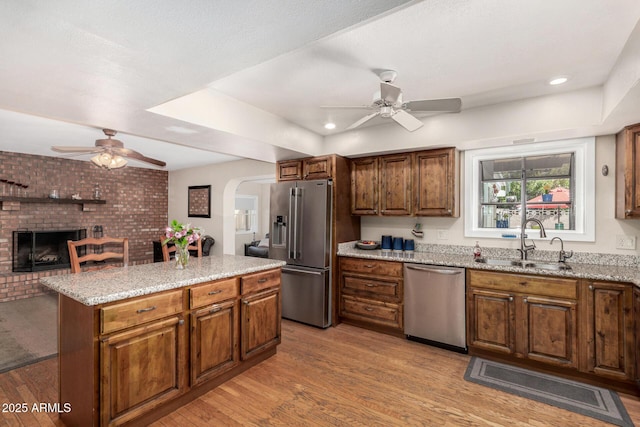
<point x="343" y="376"/>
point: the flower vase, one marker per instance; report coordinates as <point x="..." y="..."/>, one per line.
<point x="182" y="257"/>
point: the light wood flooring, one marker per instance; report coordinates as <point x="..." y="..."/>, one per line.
<point x="342" y="376"/>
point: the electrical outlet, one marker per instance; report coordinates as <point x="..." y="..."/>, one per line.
<point x="443" y="234"/>
<point x="625" y="242"/>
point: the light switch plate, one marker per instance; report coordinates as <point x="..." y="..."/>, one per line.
<point x="625" y="242"/>
<point x="443" y="234"/>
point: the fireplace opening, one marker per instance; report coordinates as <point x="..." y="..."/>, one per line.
<point x="43" y="250"/>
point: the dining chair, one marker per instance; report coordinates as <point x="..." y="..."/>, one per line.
<point x="111" y="249"/>
<point x="168" y="250"/>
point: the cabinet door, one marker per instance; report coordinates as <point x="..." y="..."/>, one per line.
<point x="636" y="293"/>
<point x="364" y="186"/>
<point x="214" y="340"/>
<point x="610" y="329"/>
<point x="395" y="184"/>
<point x="141" y="369"/>
<point x="550" y="330"/>
<point x="436" y="183"/>
<point x="260" y="322"/>
<point x="491" y="320"/>
<point x="627" y="176"/>
<point x="289" y="170"/>
<point x="318" y="168"/>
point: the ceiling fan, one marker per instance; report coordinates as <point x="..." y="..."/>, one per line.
<point x="388" y="103"/>
<point x="110" y="152"/>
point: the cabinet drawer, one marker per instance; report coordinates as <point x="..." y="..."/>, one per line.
<point x="387" y="314"/>
<point x="370" y="266"/>
<point x="389" y="289"/>
<point x="135" y="312"/>
<point x="212" y="292"/>
<point x="263" y="280"/>
<point x="523" y="283"/>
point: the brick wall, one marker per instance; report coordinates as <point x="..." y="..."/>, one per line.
<point x="136" y="207"/>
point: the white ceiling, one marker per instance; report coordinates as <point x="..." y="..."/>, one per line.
<point x="246" y="79"/>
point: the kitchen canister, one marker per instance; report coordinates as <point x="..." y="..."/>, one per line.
<point x="409" y="245"/>
<point x="386" y="243"/>
<point x="398" y="244"/>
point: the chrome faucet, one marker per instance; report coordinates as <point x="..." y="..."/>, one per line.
<point x="524" y="248"/>
<point x="563" y="255"/>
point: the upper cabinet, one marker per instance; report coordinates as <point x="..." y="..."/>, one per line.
<point x="289" y="170"/>
<point x="423" y="183"/>
<point x="310" y="168"/>
<point x="395" y="184"/>
<point x="364" y="186"/>
<point x="436" y="182"/>
<point x="627" y="176"/>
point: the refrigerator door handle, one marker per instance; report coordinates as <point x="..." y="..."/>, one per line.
<point x="292" y="224"/>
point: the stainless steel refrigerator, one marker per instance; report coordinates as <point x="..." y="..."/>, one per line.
<point x="300" y="234"/>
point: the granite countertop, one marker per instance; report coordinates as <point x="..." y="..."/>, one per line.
<point x="617" y="273"/>
<point x="99" y="287"/>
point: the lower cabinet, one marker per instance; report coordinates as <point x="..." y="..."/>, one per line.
<point x="125" y="362"/>
<point x="214" y="340"/>
<point x="611" y="341"/>
<point x="590" y="327"/>
<point x="525" y="316"/>
<point x="371" y="294"/>
<point x="141" y="368"/>
<point x="261" y="314"/>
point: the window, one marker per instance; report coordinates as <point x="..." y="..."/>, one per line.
<point x="546" y="181"/>
<point x="246" y="214"/>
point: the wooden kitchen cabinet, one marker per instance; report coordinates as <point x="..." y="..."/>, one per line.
<point x="524" y="316"/>
<point x="260" y="313"/>
<point x="141" y="368"/>
<point x="491" y="321"/>
<point x="611" y="341"/>
<point x="289" y="170"/>
<point x="371" y="294"/>
<point x="395" y="184"/>
<point x="134" y="360"/>
<point x="364" y="186"/>
<point x="636" y="307"/>
<point x="318" y="167"/>
<point x="436" y="183"/>
<point x="627" y="174"/>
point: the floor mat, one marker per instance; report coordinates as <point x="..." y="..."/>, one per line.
<point x="595" y="402"/>
<point x="28" y="331"/>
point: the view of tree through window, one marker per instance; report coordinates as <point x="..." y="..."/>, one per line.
<point x="540" y="186"/>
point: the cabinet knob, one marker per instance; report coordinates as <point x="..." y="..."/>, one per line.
<point x="590" y="287"/>
<point x="525" y="301"/>
<point x="369" y="265"/>
<point x="510" y="299"/>
<point x="371" y="285"/>
<point x="627" y="212"/>
<point x="181" y="322"/>
<point x="368" y="309"/>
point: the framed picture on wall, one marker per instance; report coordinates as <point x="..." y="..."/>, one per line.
<point x="199" y="202"/>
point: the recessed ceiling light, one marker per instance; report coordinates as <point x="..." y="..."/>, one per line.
<point x="329" y="125"/>
<point x="558" y="80"/>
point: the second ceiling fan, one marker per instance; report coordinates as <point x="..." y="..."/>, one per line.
<point x="388" y="103"/>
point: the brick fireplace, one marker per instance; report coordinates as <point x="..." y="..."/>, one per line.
<point x="136" y="207"/>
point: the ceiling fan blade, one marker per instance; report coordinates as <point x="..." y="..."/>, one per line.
<point x="407" y="121"/>
<point x="449" y="105"/>
<point x="363" y="120"/>
<point x="69" y="149"/>
<point x="350" y="107"/>
<point x="132" y="154"/>
<point x="390" y="93"/>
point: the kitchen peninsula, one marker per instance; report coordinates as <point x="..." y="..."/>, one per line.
<point x="139" y="341"/>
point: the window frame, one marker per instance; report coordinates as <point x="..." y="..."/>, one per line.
<point x="255" y="202"/>
<point x="584" y="179"/>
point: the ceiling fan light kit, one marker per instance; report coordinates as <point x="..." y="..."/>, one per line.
<point x="388" y="103"/>
<point x="109" y="161"/>
<point x="111" y="153"/>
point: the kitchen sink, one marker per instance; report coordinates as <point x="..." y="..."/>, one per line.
<point x="555" y="266"/>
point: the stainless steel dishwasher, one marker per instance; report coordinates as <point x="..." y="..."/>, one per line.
<point x="434" y="305"/>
